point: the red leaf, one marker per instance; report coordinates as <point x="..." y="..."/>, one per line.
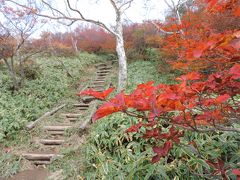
<point x="114" y="105"/>
<point x="197" y="53"/>
<point x="222" y="98"/>
<point x="236" y="172"/>
<point x="151" y="133"/>
<point x="211" y="3"/>
<point x="99" y="95"/>
<point x="173" y="135"/>
<point x="237" y="11"/>
<point x="235" y="44"/>
<point x="235" y="71"/>
<point x="156" y="159"/>
<point x="219" y="168"/>
<point x="190" y="76"/>
<point x="134" y="128"/>
<point x="161" y="151"/>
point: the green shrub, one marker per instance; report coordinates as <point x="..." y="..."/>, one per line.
<point x="41" y="94"/>
<point x="31" y="69"/>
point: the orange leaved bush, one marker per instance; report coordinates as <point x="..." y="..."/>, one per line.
<point x="207" y="39"/>
<point x="199" y="102"/>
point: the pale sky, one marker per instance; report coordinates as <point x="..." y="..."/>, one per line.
<point x="103" y="11"/>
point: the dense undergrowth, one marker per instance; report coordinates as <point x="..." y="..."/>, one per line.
<point x="51" y="86"/>
<point x="110" y="153"/>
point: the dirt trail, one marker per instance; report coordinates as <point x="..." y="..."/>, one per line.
<point x="55" y="134"/>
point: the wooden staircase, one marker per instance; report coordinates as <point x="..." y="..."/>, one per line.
<point x="54" y="134"/>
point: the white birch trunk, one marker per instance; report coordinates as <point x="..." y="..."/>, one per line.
<point x="122" y="59"/>
<point x="74" y="44"/>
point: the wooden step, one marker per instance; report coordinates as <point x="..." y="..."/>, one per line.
<point x="101" y="78"/>
<point x="72" y="120"/>
<point x="102" y="75"/>
<point x="40" y="156"/>
<point x="103" y="72"/>
<point x="56" y="128"/>
<point x="51" y="141"/>
<point x="99" y="81"/>
<point x="81" y="105"/>
<point x="39" y="163"/>
<point x="56" y="133"/>
<point x="88" y="99"/>
<point x="104" y="67"/>
<point x="97" y="85"/>
<point x="83" y="109"/>
<point x="99" y="90"/>
<point x="71" y="115"/>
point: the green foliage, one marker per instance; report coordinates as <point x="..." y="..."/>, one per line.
<point x="143" y="71"/>
<point x="111" y="153"/>
<point x="31" y="69"/>
<point x="41" y="94"/>
<point x="10" y="164"/>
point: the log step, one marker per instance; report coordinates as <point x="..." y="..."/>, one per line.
<point x="102" y="75"/>
<point x="72" y="119"/>
<point x="99" y="81"/>
<point x="39" y="163"/>
<point x="88" y="99"/>
<point x="81" y="105"/>
<point x="71" y="115"/>
<point x="56" y="133"/>
<point x="97" y="85"/>
<point x="99" y="90"/>
<point x="38" y="156"/>
<point x="51" y="141"/>
<point x="104" y="67"/>
<point x="103" y="72"/>
<point x="101" y="78"/>
<point x="56" y="128"/>
<point x="92" y="87"/>
<point x="83" y="109"/>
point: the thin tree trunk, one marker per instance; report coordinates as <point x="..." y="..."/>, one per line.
<point x="12" y="73"/>
<point x="74" y="44"/>
<point x="22" y="73"/>
<point x="122" y="59"/>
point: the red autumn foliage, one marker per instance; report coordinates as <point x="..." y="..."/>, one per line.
<point x="161" y="151"/>
<point x="237" y="173"/>
<point x="218" y="168"/>
<point x="96" y="94"/>
<point x="95" y="40"/>
<point x="210" y="40"/>
<point x="200" y="102"/>
<point x="154" y="106"/>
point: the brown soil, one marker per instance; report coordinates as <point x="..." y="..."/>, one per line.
<point x="34" y="174"/>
